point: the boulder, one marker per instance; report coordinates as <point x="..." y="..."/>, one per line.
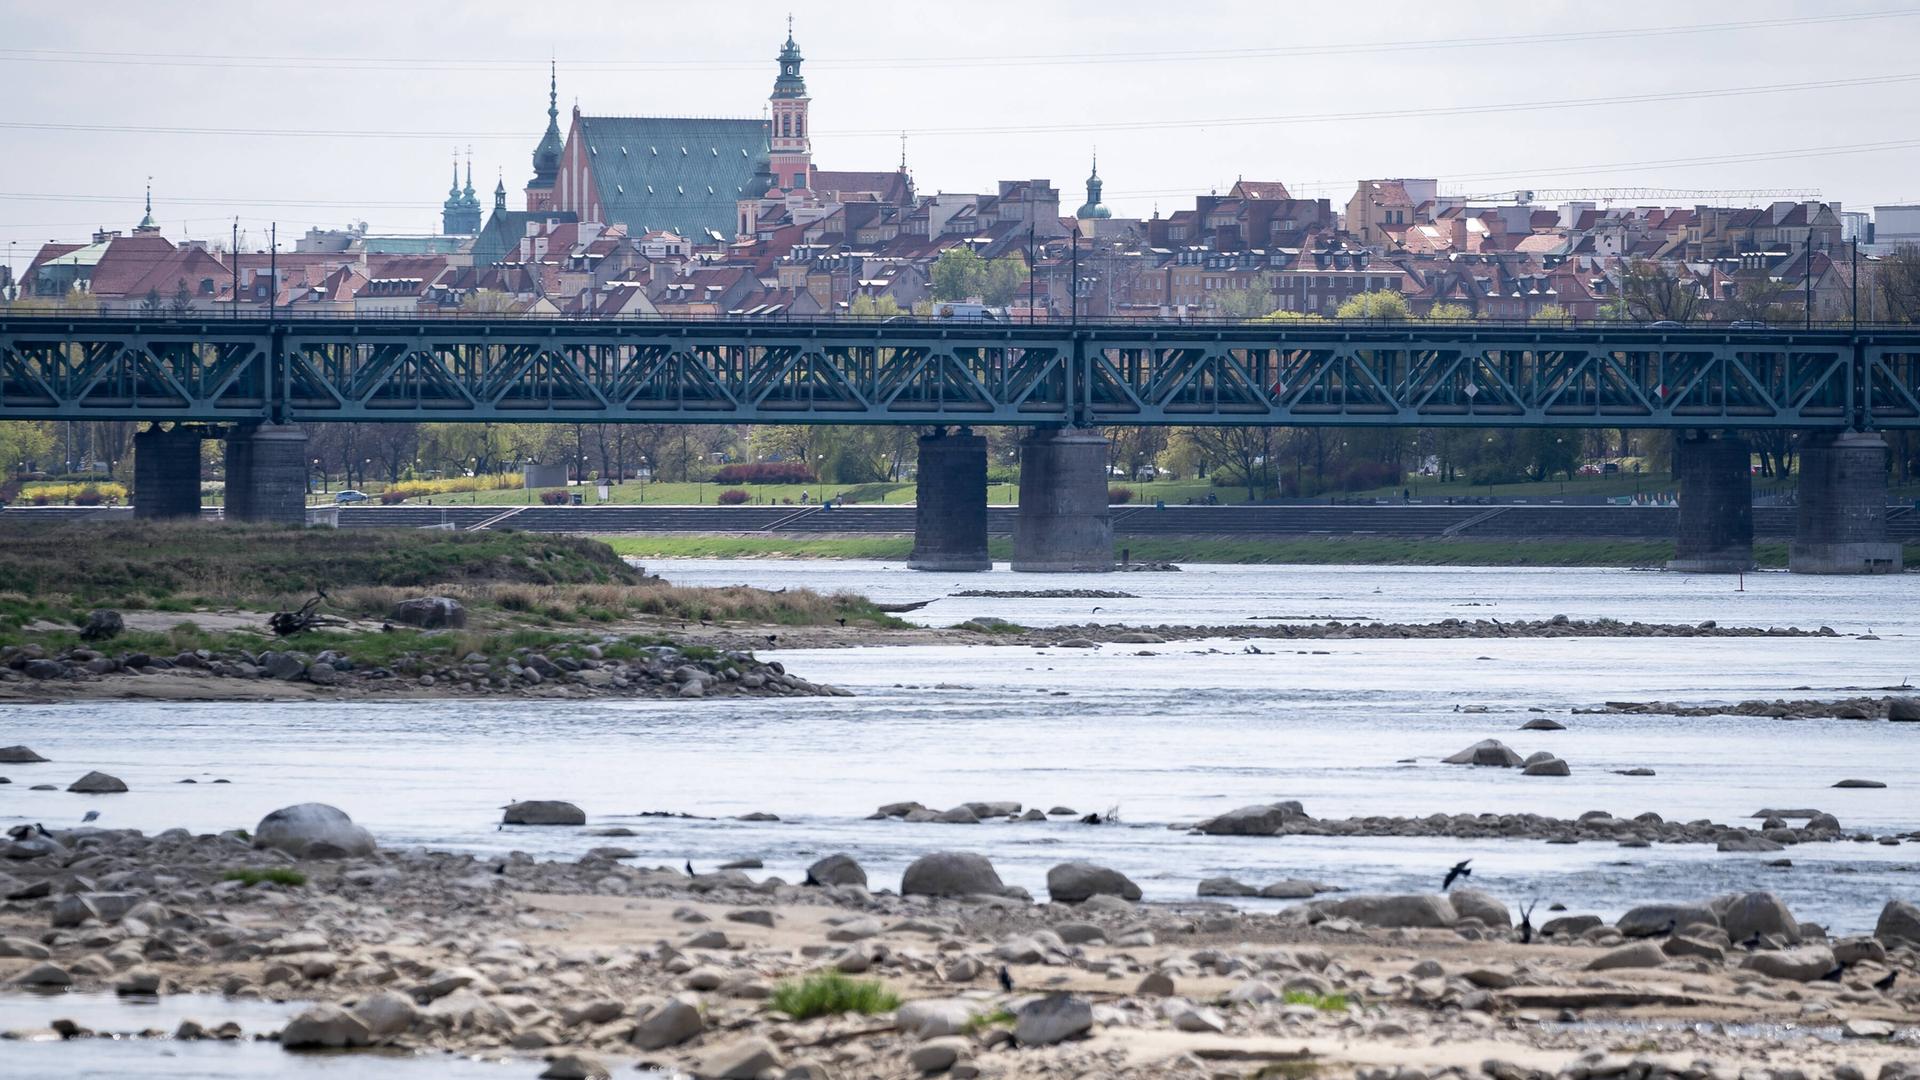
<point x="1903" y="709"/>
<point x="1640" y="954"/>
<point x="837" y="869"/>
<point x="1051" y="1019"/>
<point x="386" y="1012"/>
<point x="938" y="1055"/>
<point x="951" y="873"/>
<point x="1899" y="923"/>
<point x="1478" y="904"/>
<point x="1224" y="886"/>
<point x="1569" y="926"/>
<point x="1552" y="766"/>
<point x="98" y="783"/>
<point x="313" y="831"/>
<point x="1743" y="915"/>
<point x="544" y="812"/>
<point x="18" y="755"/>
<point x="575" y="1067"/>
<point x="1258" y="820"/>
<point x="101" y="624"/>
<point x="1487" y="752"/>
<point x="282" y="665"/>
<point x="1410" y="911"/>
<point x="1804" y="964"/>
<point x="742" y="1059"/>
<point x="1290" y="889"/>
<point x="1748" y="844"/>
<point x="324" y="1027"/>
<point x="1541" y="723"/>
<point x="1869" y="784"/>
<point x="430" y="613"/>
<point x="670" y="1023"/>
<point x="1650" y="919"/>
<point x="993" y="809"/>
<point x="959" y="815"/>
<point x="933" y="1018"/>
<point x="1072" y="882"/>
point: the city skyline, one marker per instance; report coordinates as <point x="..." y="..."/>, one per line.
<point x="1170" y="118"/>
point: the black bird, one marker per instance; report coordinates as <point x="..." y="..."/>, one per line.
<point x="771" y="638"/>
<point x="91" y="815"/>
<point x="1006" y="979"/>
<point x="842" y="620"/>
<point x="1752" y="943"/>
<point x="690" y="872"/>
<point x="1097" y="611"/>
<point x="1526" y="924"/>
<point x="1459" y="871"/>
<point x="1834" y="975"/>
<point x="1886" y="983"/>
<point x="500" y="869"/>
<point x="1667" y="930"/>
<point x="41" y="829"/>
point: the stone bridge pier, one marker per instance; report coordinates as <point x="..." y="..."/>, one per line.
<point x="950" y="510"/>
<point x="166" y="472"/>
<point x="1716" y="503"/>
<point x="1842" y="522"/>
<point x="1064" y="524"/>
<point x="267" y="474"/>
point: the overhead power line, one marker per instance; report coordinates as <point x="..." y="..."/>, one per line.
<point x="1429" y="112"/>
<point x="876" y="63"/>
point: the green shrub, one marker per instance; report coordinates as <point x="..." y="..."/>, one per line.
<point x="832" y="994"/>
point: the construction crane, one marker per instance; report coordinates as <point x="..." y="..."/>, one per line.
<point x="1637" y="195"/>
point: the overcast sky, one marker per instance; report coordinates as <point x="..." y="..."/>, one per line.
<point x="346" y="111"/>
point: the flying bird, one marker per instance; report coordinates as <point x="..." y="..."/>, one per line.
<point x="771" y="638"/>
<point x="1459" y="870"/>
<point x="91" y="815"/>
<point x="1006" y="979"/>
<point x="1097" y="611"/>
<point x="1526" y="923"/>
<point x="1886" y="983"/>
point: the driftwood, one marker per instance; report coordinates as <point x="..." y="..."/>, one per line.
<point x="895" y="609"/>
<point x="287" y="623"/>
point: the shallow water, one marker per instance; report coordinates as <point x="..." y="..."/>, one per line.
<point x="1166" y="733"/>
<point x="115" y="1058"/>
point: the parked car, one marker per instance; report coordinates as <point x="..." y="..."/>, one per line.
<point x="1747" y="324"/>
<point x="348" y="495"/>
<point x="1663" y="324"/>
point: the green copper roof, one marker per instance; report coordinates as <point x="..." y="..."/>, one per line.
<point x="676" y="173"/>
<point x="1092" y="207"/>
<point x="789" y="84"/>
<point x="546" y="156"/>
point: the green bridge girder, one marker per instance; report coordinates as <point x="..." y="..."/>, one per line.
<point x="927" y="372"/>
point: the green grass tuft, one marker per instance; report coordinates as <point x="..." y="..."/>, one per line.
<point x="1323" y="1002"/>
<point x="831" y="994"/>
<point x="983" y="1021"/>
<point x="278" y="875"/>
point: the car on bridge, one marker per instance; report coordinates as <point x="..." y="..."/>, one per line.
<point x="348" y="495"/>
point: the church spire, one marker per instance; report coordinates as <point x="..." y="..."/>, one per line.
<point x="546" y="156"/>
<point x="147" y="222"/>
<point x="1093" y="207"/>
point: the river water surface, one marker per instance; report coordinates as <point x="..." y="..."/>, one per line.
<point x="1165" y="733"/>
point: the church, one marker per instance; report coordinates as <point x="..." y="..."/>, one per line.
<point x="696" y="177"/>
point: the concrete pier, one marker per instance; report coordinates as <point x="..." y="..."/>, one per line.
<point x="1842" y="524"/>
<point x="1064" y="524"/>
<point x="950" y="511"/>
<point x="166" y="473"/>
<point x="1716" y="504"/>
<point x="267" y="474"/>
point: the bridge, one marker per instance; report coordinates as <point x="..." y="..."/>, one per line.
<point x="248" y="380"/>
<point x="929" y="372"/>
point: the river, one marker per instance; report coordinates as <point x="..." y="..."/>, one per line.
<point x="1165" y="733"/>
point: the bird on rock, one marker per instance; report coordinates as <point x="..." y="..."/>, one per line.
<point x="690" y="872"/>
<point x="1459" y="870"/>
<point x="1526" y="923"/>
<point x="1886" y="983"/>
<point x="1006" y="979"/>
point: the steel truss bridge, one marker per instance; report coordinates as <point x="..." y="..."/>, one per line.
<point x="914" y="372"/>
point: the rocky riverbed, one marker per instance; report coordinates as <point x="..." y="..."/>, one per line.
<point x="597" y="963"/>
<point x="588" y="669"/>
<point x="1901" y="707"/>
